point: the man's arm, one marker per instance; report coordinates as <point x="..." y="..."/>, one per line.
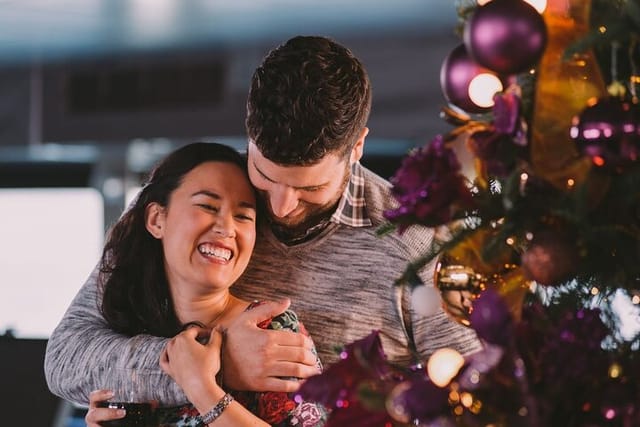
<point x="82" y="346"/>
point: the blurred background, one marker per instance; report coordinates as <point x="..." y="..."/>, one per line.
<point x="93" y="92"/>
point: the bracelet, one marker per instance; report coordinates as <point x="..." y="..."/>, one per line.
<point x="216" y="411"/>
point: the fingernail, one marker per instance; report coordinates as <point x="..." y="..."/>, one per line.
<point x="121" y="412"/>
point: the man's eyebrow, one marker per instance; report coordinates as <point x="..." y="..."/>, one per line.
<point x="262" y="173"/>
<point x="307" y="187"/>
<point x="216" y="196"/>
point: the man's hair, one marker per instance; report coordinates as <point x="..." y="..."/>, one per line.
<point x="310" y="97"/>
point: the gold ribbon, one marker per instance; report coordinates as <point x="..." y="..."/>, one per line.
<point x="563" y="88"/>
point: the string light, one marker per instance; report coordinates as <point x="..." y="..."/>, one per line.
<point x="615" y="370"/>
<point x="443" y="365"/>
<point x="482" y="89"/>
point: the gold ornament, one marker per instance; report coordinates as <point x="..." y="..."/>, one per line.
<point x="459" y="286"/>
<point x="462" y="274"/>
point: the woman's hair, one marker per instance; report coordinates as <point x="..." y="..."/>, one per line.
<point x="136" y="297"/>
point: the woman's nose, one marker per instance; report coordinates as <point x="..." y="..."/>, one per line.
<point x="223" y="225"/>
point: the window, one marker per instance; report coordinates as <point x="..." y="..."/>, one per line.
<point x="50" y="240"/>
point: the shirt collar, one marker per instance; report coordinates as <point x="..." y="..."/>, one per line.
<point x="352" y="208"/>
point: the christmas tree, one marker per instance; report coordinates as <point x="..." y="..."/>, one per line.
<point x="537" y="188"/>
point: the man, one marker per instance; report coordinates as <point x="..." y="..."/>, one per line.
<point x="307" y="112"/>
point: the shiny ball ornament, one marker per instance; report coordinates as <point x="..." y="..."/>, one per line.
<point x="459" y="286"/>
<point x="608" y="131"/>
<point x="396" y="404"/>
<point x="550" y="259"/>
<point x="459" y="73"/>
<point x="425" y="301"/>
<point x="506" y="36"/>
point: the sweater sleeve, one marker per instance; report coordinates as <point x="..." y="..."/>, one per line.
<point x="82" y="346"/>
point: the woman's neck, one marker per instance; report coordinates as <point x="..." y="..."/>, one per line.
<point x="208" y="309"/>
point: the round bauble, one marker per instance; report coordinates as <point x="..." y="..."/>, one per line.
<point x="608" y="131"/>
<point x="459" y="286"/>
<point x="456" y="75"/>
<point x="425" y="300"/>
<point x="551" y="258"/>
<point x="506" y="36"/>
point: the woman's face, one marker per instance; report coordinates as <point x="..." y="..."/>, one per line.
<point x="208" y="228"/>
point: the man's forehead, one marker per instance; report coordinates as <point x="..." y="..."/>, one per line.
<point x="317" y="174"/>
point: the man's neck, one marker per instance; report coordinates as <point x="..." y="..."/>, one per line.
<point x="294" y="236"/>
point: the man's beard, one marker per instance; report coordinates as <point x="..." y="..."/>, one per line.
<point x="299" y="225"/>
<point x="292" y="228"/>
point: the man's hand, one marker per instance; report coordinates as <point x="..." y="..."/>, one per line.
<point x="257" y="359"/>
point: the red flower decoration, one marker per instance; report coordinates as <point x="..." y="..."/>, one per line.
<point x="275" y="407"/>
<point x="189" y="411"/>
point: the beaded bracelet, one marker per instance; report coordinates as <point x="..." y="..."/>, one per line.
<point x="216" y="411"/>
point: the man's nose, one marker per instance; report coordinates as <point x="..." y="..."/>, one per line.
<point x="283" y="200"/>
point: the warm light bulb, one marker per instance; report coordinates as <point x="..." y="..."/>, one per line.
<point x="482" y="88"/>
<point x="539" y="5"/>
<point x="443" y="365"/>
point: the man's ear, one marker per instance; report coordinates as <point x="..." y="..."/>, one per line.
<point x="358" y="148"/>
<point x="154" y="216"/>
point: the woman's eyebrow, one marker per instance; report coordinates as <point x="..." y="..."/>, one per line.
<point x="207" y="193"/>
<point x="216" y="196"/>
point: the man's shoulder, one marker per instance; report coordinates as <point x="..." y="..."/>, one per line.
<point x="378" y="198"/>
<point x="377" y="194"/>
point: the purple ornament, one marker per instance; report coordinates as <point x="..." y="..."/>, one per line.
<point x="608" y="131"/>
<point x="417" y="399"/>
<point x="506" y="36"/>
<point x="457" y="71"/>
<point x="491" y="319"/>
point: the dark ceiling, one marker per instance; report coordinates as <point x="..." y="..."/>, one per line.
<point x="50" y="29"/>
<point x="54" y="54"/>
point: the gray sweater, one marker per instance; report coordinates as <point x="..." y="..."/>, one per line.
<point x="340" y="284"/>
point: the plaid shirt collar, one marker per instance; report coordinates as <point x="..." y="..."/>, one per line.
<point x="352" y="208"/>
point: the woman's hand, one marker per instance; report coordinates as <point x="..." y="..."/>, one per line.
<point x="95" y="415"/>
<point x="193" y="365"/>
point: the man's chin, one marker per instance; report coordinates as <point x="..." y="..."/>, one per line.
<point x="287" y="224"/>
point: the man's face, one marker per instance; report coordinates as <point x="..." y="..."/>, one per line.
<point x="298" y="197"/>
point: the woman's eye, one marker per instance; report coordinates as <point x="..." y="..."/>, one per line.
<point x="245" y="217"/>
<point x="208" y="207"/>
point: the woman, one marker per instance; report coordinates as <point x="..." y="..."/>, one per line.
<point x="166" y="270"/>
